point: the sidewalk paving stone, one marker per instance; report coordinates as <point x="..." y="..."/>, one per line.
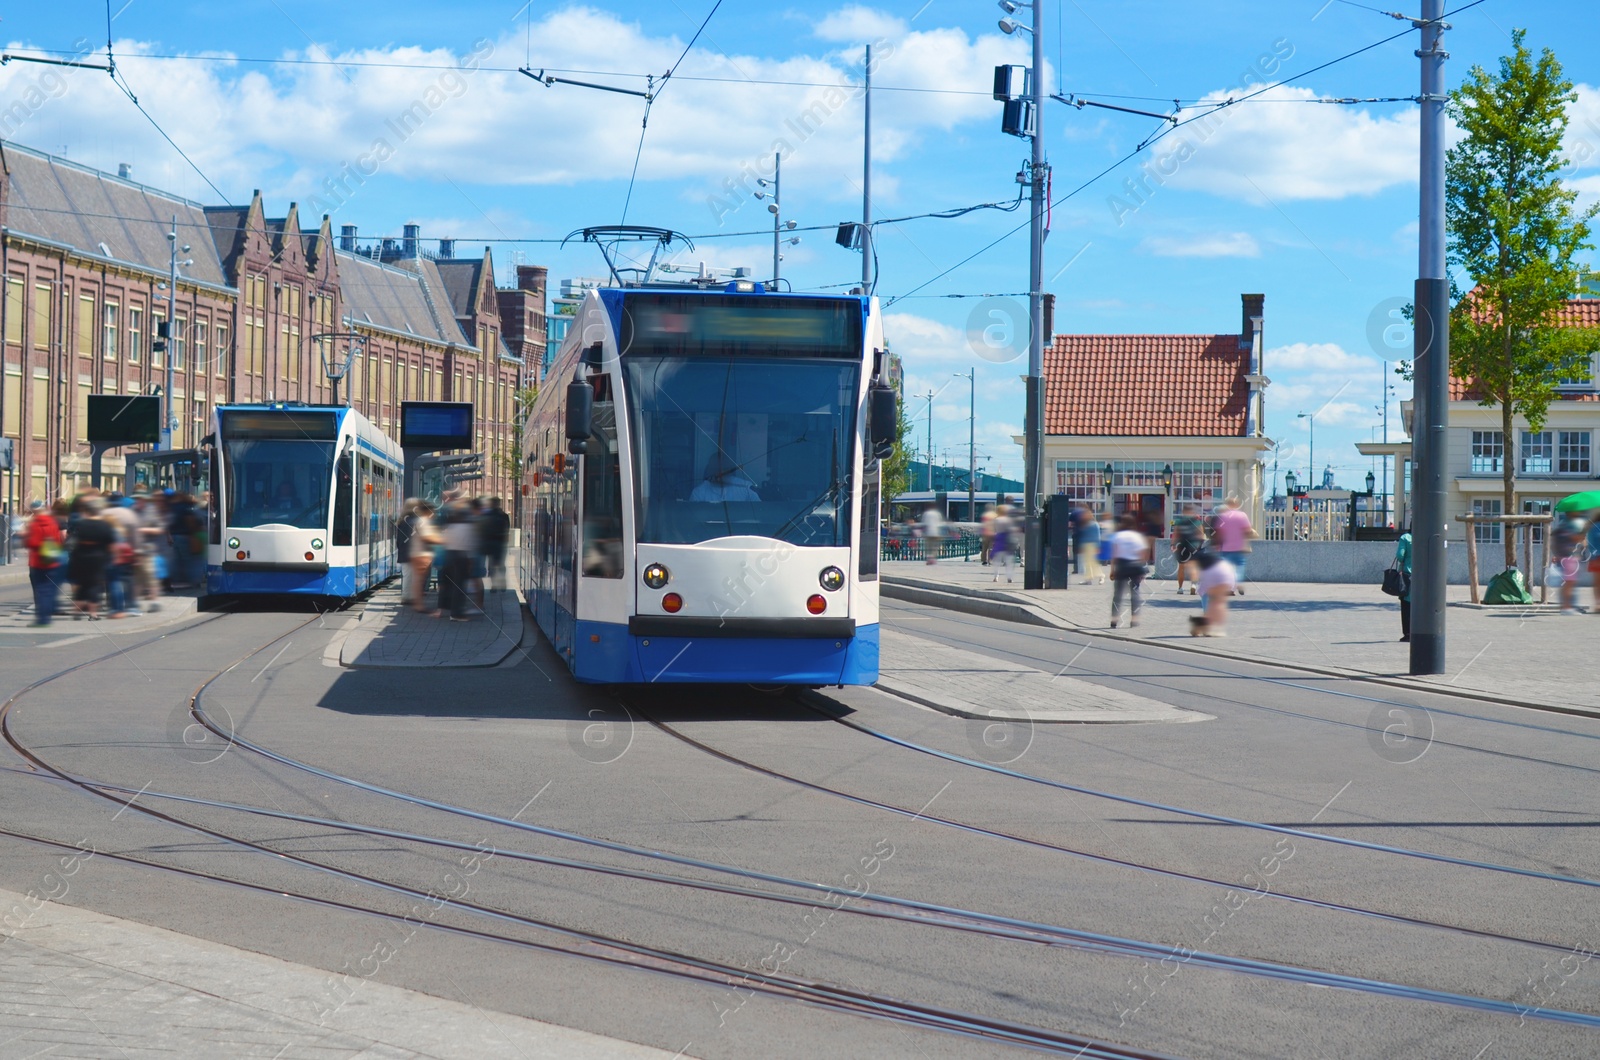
<point x="1519" y="655"/>
<point x="390" y="635"/>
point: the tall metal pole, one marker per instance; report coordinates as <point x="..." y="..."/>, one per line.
<point x="777" y="209"/>
<point x="1431" y="346"/>
<point x="972" y="444"/>
<point x="172" y="334"/>
<point x="1386" y="458"/>
<point x="931" y="396"/>
<point x="866" y="183"/>
<point x="1033" y="414"/>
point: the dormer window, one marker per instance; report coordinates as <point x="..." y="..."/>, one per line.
<point x="1579" y="375"/>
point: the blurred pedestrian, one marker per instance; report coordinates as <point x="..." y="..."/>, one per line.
<point x="424" y="538"/>
<point x="45" y="543"/>
<point x="90" y="554"/>
<point x="494" y="536"/>
<point x="932" y="532"/>
<point x="120" y="594"/>
<point x="460" y="541"/>
<point x="1402" y="561"/>
<point x="152" y="533"/>
<point x="1188" y="538"/>
<point x="184" y="530"/>
<point x="1232" y="531"/>
<point x="1089" y="547"/>
<point x="1593" y="542"/>
<point x="1566" y="536"/>
<point x="1003" y="531"/>
<point x="1130" y="553"/>
<point x="986" y="535"/>
<point x="1217" y="581"/>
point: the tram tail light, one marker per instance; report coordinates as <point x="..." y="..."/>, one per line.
<point x="311" y="555"/>
<point x="816" y="603"/>
<point x="672" y="603"/>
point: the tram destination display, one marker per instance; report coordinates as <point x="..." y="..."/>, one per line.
<point x="435" y="425"/>
<point x="117" y="420"/>
<point x="740" y="325"/>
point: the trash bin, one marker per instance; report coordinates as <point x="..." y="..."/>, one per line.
<point x="1058" y="534"/>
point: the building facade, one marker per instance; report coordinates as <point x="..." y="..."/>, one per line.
<point x="1144" y="424"/>
<point x="264" y="310"/>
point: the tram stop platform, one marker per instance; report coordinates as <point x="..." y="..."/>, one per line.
<point x="1530" y="656"/>
<point x="386" y="634"/>
<point x="151" y="990"/>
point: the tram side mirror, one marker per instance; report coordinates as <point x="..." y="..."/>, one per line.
<point x="884" y="415"/>
<point x="580" y="415"/>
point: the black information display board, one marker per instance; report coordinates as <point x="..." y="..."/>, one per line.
<point x="118" y="420"/>
<point x="436" y="425"/>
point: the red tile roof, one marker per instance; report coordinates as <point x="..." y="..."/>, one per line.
<point x="1579" y="313"/>
<point x="1133" y="385"/>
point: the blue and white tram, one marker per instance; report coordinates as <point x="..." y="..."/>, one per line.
<point x="702" y="497"/>
<point x="304" y="499"/>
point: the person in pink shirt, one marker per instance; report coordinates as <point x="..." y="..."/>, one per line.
<point x="1231" y="530"/>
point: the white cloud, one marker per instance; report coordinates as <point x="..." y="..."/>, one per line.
<point x="1217" y="245"/>
<point x="856" y="24"/>
<point x="1286" y="150"/>
<point x="1320" y="357"/>
<point x="919" y="340"/>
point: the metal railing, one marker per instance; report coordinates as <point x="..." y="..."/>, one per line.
<point x="958" y="544"/>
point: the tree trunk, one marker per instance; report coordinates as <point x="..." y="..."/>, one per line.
<point x="1508" y="472"/>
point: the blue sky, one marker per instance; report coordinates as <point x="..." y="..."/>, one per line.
<point x="1312" y="204"/>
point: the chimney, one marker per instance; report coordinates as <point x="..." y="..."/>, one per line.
<point x="1253" y="304"/>
<point x="124" y="170"/>
<point x="347" y="238"/>
<point x="447" y="249"/>
<point x="390" y="249"/>
<point x="411" y="235"/>
<point x="532" y="277"/>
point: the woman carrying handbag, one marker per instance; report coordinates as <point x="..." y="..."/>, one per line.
<point x="1397" y="582"/>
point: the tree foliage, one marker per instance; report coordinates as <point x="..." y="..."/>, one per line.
<point x="1514" y="231"/>
<point x="897" y="465"/>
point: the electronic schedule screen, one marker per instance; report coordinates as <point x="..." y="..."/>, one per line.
<point x="117" y="420"/>
<point x="436" y="424"/>
<point x="663" y="324"/>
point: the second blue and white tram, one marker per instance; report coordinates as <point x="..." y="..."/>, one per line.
<point x="304" y="499"/>
<point x="702" y="497"/>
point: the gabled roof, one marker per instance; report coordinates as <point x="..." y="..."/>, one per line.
<point x="102" y="216"/>
<point x="394" y="298"/>
<point x="1143" y="385"/>
<point x="460" y="277"/>
<point x="227" y="231"/>
<point x="1577" y="313"/>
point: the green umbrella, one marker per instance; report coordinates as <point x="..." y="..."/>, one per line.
<point x="1586" y="501"/>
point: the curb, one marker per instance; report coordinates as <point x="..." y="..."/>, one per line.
<point x="899" y="691"/>
<point x="957" y="600"/>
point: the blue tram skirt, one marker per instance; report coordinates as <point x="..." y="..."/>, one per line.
<point x="336" y="581"/>
<point x="606" y="653"/>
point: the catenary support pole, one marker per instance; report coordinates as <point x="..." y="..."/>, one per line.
<point x="1432" y="360"/>
<point x="1033" y="413"/>
<point x="972" y="444"/>
<point x="866" y="180"/>
<point x="172" y="336"/>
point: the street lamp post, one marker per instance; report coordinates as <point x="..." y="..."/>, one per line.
<point x="1311" y="454"/>
<point x="971" y="376"/>
<point x="775" y="207"/>
<point x="169" y="421"/>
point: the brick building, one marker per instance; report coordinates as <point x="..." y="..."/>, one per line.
<point x="263" y="307"/>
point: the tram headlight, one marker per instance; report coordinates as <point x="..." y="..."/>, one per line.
<point x="816" y="603"/>
<point x="832" y="579"/>
<point x="233" y="542"/>
<point x="316" y="542"/>
<point x="656" y="576"/>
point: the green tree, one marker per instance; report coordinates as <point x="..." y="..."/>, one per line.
<point x="522" y="407"/>
<point x="897" y="465"/>
<point x="1514" y="231"/>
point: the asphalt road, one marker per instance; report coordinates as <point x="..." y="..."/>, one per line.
<point x="1101" y="837"/>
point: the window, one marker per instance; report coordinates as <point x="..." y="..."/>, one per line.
<point x="1538" y="506"/>
<point x="1197" y="482"/>
<point x="1538" y="452"/>
<point x="180" y="342"/>
<point x="1577" y="373"/>
<point x="14" y="310"/>
<point x="221" y="362"/>
<point x="1572" y="452"/>
<point x="1078" y="479"/>
<point x="85" y="337"/>
<point x="42" y="299"/>
<point x="200" y="348"/>
<point x="109" y="326"/>
<point x="135" y="333"/>
<point x="39" y="410"/>
<point x="1487" y="533"/>
<point x="160" y="326"/>
<point x="1488" y="452"/>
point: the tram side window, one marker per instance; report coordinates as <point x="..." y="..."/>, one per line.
<point x="868" y="545"/>
<point x="342" y="502"/>
<point x="363" y="500"/>
<point x="213" y="496"/>
<point x="602" y="496"/>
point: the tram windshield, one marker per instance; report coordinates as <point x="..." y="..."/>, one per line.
<point x="279" y="481"/>
<point x="745" y="446"/>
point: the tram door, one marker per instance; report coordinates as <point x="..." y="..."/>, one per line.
<point x="364" y="499"/>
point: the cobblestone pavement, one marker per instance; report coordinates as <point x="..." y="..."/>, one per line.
<point x="1524" y="655"/>
<point x="391" y="635"/>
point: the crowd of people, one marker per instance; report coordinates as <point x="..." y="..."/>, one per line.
<point x="457" y="550"/>
<point x="113" y="555"/>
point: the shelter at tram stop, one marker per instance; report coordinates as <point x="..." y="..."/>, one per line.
<point x="1143" y="424"/>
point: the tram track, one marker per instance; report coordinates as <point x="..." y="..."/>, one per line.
<point x="591" y="945"/>
<point x="1096" y="642"/>
<point x="685" y="966"/>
